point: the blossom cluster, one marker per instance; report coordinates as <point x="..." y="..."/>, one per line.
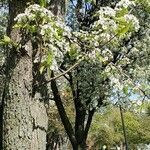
<point x="116" y="21"/>
<point x="125" y="4"/>
<point x="100" y="43"/>
<point x="109" y="31"/>
<point x="55" y="35"/>
<point x="52" y="32"/>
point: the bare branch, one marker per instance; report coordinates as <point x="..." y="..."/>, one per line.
<point x="65" y="72"/>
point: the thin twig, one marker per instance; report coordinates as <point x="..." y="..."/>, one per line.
<point x="101" y="46"/>
<point x="65" y="72"/>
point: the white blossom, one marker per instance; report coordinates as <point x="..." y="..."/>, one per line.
<point x="107" y="11"/>
<point x="124" y="4"/>
<point x="21" y="17"/>
<point x="54" y="65"/>
<point x="134" y="20"/>
<point x="55" y="34"/>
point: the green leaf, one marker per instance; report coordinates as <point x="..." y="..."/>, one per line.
<point x="6" y="39"/>
<point x="17" y="25"/>
<point x="42" y="69"/>
<point x="32" y="29"/>
<point x="125" y="90"/>
<point x="43" y="3"/>
<point x="49" y="59"/>
<point x="123" y="29"/>
<point x="100" y="57"/>
<point x="2" y="43"/>
<point x="122" y="12"/>
<point x="120" y="20"/>
<point x="73" y="51"/>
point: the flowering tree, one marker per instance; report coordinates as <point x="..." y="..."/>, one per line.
<point x="102" y="58"/>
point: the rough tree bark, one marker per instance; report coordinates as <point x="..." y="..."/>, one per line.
<point x="25" y="95"/>
<point x="24" y="113"/>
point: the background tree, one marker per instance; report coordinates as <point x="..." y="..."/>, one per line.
<point x="106" y="128"/>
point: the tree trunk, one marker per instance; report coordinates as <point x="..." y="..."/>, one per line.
<point x="24" y="114"/>
<point x="81" y="146"/>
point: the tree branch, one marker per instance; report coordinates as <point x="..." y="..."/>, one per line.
<point x="65" y="72"/>
<point x="88" y="124"/>
<point x="61" y="110"/>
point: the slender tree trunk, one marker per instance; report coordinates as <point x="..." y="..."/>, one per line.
<point x="123" y="127"/>
<point x="24" y="114"/>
